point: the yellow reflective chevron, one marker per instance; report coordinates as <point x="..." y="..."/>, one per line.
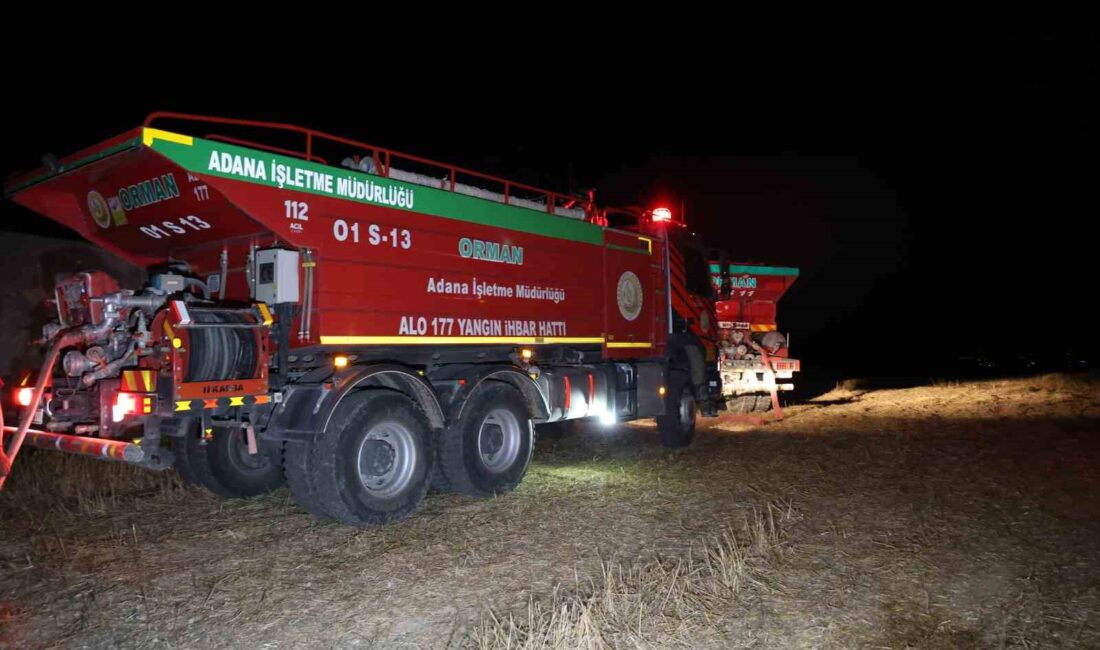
<point x="139" y="381"/>
<point x="265" y="313"/>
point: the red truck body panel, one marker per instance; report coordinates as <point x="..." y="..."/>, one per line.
<point x="754" y="293"/>
<point x="396" y="262"/>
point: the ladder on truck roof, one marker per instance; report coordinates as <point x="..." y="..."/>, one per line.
<point x="379" y="161"/>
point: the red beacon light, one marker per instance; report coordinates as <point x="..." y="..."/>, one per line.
<point x="661" y="215"/>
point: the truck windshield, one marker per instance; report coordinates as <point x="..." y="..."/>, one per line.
<point x="695" y="264"/>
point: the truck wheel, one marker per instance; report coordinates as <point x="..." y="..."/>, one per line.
<point x="191" y="459"/>
<point x="677" y="426"/>
<point x="742" y="404"/>
<point x="763" y="403"/>
<point x="487" y="450"/>
<point x="241" y="473"/>
<point x="371" y="465"/>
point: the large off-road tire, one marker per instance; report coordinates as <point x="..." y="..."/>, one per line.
<point x="741" y="404"/>
<point x="677" y="426"/>
<point x="371" y="465"/>
<point x="241" y="473"/>
<point x="191" y="461"/>
<point x="222" y="464"/>
<point x="487" y="450"/>
<point x="764" y="403"/>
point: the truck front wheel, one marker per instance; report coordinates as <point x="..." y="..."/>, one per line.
<point x="677" y="426"/>
<point x="487" y="450"/>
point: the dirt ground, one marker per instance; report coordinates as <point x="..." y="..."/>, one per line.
<point x="950" y="515"/>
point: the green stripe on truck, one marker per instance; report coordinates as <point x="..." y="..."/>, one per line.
<point x="758" y="270"/>
<point x="263" y="168"/>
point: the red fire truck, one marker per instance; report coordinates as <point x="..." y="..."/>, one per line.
<point x="355" y="321"/>
<point x="754" y="357"/>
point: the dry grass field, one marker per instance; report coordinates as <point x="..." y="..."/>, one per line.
<point x="950" y="515"/>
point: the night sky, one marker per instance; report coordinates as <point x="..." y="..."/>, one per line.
<point x="931" y="211"/>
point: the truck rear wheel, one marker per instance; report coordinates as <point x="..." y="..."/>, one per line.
<point x="241" y="473"/>
<point x="742" y="404"/>
<point x="222" y="464"/>
<point x="763" y="403"/>
<point x="191" y="459"/>
<point x="371" y="465"/>
<point x="677" y="426"/>
<point x="487" y="450"/>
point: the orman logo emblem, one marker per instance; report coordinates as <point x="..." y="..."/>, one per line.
<point x="104" y="211"/>
<point x="629" y="295"/>
<point x="97" y="205"/>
